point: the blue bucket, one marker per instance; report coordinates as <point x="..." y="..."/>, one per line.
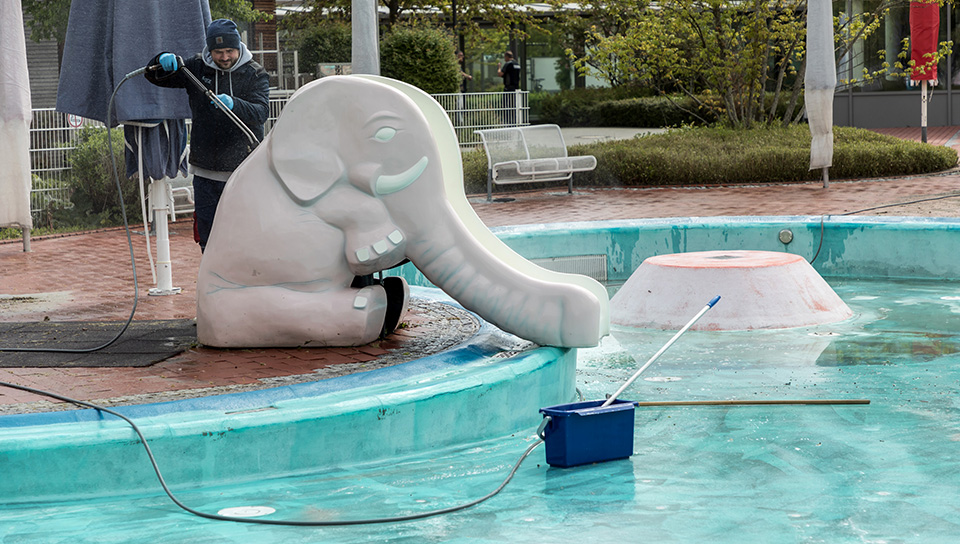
<point x="587" y="432"/>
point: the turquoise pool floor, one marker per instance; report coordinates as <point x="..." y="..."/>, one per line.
<point x="887" y="472"/>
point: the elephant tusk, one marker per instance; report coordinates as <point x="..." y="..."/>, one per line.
<point x="390" y="184"/>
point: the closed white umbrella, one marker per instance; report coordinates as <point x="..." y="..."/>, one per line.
<point x="15" y="116"/>
<point x="819" y="82"/>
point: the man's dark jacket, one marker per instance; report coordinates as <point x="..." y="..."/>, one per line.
<point x="216" y="143"/>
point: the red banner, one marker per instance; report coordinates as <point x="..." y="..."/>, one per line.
<point x="924" y="31"/>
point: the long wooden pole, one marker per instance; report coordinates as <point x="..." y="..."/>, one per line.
<point x="752" y="402"/>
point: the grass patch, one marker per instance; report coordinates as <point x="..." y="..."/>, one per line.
<point x="720" y="156"/>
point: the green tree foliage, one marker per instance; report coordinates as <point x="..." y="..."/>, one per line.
<point x="47" y="19"/>
<point x="421" y="56"/>
<point x="724" y="55"/>
<point x="237" y="11"/>
<point x="742" y="60"/>
<point x="595" y="19"/>
<point x="502" y="15"/>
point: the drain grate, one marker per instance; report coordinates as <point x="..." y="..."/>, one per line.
<point x="246" y="511"/>
<point x="594" y="266"/>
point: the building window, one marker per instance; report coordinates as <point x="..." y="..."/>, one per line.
<point x="860" y="67"/>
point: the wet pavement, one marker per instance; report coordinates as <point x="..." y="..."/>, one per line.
<point x="88" y="277"/>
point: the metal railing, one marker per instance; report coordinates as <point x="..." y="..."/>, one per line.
<point x="54" y="135"/>
<point x="476" y="111"/>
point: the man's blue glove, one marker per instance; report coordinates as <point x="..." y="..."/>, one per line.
<point x="227" y="101"/>
<point x="168" y="61"/>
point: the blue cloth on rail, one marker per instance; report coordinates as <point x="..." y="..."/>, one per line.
<point x="163" y="144"/>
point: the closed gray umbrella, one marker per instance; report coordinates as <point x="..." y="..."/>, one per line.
<point x="108" y="39"/>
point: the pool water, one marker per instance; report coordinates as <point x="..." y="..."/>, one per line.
<point x="885" y="472"/>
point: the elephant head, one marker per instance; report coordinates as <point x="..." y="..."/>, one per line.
<point x="374" y="164"/>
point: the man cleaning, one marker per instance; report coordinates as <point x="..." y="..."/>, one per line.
<point x="217" y="145"/>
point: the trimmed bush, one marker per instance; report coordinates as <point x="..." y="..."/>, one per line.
<point x="714" y="156"/>
<point x="326" y="42"/>
<point x="626" y="107"/>
<point x="94" y="191"/>
<point x="475" y="171"/>
<point x="421" y="56"/>
<point x="620" y="112"/>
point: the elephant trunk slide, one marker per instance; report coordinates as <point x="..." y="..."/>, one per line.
<point x="529" y="303"/>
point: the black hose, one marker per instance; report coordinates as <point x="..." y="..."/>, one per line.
<point x="293" y="523"/>
<point x="819" y="247"/>
<point x="882" y="206"/>
<point x="126" y="226"/>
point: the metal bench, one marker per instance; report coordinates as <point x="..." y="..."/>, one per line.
<point x="529" y="154"/>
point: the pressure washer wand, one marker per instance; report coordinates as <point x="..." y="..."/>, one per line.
<point x="657" y="355"/>
<point x="216" y="100"/>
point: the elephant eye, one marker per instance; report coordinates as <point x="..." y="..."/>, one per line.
<point x="385" y="134"/>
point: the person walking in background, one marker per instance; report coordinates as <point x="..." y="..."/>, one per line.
<point x="509" y="70"/>
<point x="464" y="77"/>
<point x="217" y="145"/>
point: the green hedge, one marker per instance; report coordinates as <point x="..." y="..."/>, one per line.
<point x="621" y="112"/>
<point x="625" y="107"/>
<point x="713" y="156"/>
<point x="92" y="183"/>
<point x="327" y="42"/>
<point x="421" y="56"/>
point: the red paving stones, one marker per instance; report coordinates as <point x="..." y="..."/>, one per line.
<point x="590" y="204"/>
<point x="935" y="135"/>
<point x="87" y="276"/>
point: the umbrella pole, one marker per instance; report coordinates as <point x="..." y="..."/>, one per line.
<point x="923" y="111"/>
<point x="160" y="204"/>
<point x="143" y="203"/>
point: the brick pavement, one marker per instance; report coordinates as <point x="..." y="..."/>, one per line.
<point x="87" y="277"/>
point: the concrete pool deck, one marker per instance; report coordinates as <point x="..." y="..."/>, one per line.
<point x="86" y="277"/>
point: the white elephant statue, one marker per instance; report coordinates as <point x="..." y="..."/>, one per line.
<point x="358" y="174"/>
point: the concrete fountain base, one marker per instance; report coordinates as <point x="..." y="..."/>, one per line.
<point x="758" y="289"/>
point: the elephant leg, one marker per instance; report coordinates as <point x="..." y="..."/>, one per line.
<point x="278" y="317"/>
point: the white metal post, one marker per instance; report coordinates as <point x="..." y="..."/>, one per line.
<point x="161" y="205"/>
<point x="923" y="111"/>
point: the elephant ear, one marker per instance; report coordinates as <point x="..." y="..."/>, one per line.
<point x="303" y="145"/>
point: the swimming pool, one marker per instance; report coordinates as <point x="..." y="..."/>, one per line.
<point x="886" y="472"/>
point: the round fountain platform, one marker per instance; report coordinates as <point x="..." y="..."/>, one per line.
<point x="758" y="290"/>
